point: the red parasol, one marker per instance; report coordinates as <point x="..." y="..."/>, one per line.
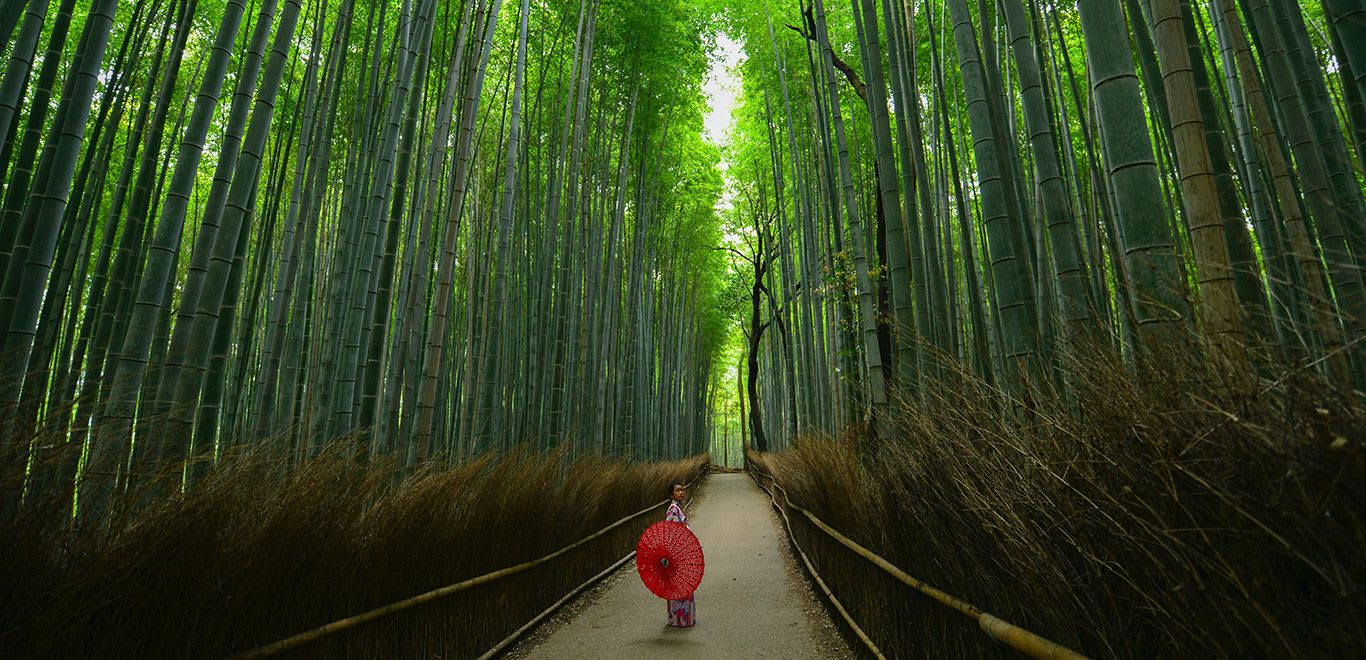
<point x="669" y="560"/>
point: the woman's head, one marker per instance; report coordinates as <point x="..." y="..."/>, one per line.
<point x="676" y="492"/>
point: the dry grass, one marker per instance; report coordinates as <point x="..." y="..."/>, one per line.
<point x="1126" y="521"/>
<point x="252" y="555"/>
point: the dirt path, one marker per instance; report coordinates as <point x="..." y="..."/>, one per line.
<point x="753" y="601"/>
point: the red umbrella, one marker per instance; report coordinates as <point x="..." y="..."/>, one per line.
<point x="669" y="560"/>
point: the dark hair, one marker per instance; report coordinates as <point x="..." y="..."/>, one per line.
<point x="671" y="489"/>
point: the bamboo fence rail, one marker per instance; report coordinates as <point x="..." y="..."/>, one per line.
<point x="308" y="637"/>
<point x="1015" y="637"/>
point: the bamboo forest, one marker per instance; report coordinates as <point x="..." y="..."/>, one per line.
<point x="382" y="329"/>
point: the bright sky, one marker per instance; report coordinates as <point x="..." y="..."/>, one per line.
<point x="723" y="89"/>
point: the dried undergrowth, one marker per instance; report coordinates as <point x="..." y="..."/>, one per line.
<point x="1126" y="520"/>
<point x="253" y="554"/>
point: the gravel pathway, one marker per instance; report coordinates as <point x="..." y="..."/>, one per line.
<point x="753" y="602"/>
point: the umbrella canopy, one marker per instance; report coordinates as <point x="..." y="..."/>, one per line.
<point x="669" y="560"/>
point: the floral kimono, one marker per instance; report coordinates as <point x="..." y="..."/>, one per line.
<point x="681" y="612"/>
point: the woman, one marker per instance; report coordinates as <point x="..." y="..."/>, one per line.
<point x="681" y="612"/>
